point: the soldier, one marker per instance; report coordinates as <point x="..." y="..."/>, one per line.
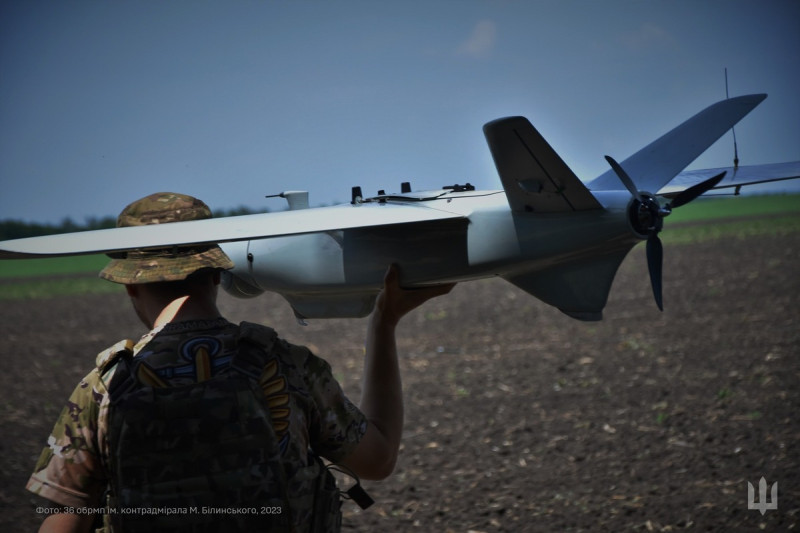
<point x="213" y="426"/>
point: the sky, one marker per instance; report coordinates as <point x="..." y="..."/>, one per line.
<point x="104" y="102"/>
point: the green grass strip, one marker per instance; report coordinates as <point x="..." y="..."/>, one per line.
<point x="711" y="208"/>
<point x="52" y="266"/>
<point x="731" y="229"/>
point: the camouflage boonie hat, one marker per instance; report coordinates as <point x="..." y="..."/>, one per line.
<point x="163" y="264"/>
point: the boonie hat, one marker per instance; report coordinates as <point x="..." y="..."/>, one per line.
<point x="163" y="264"/>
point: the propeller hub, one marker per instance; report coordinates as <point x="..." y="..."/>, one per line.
<point x="646" y="215"/>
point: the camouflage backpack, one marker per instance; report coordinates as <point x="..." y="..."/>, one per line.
<point x="204" y="457"/>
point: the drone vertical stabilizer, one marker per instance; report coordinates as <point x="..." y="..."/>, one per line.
<point x="534" y="177"/>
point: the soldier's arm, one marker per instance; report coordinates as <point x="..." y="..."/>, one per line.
<point x="382" y="396"/>
<point x="67" y="523"/>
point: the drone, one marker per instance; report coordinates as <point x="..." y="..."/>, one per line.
<point x="547" y="232"/>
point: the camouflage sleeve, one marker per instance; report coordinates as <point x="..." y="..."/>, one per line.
<point x="69" y="471"/>
<point x="337" y="425"/>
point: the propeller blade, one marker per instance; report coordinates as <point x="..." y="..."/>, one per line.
<point x="655" y="258"/>
<point x="624" y="178"/>
<point x="684" y="197"/>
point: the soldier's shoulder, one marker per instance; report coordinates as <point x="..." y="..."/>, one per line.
<point x="105" y="364"/>
<point x="293" y="355"/>
<point x="107" y="357"/>
<point x="258" y="333"/>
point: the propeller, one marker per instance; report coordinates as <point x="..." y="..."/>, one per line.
<point x="647" y="216"/>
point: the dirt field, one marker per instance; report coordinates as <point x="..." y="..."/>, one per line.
<point x="519" y="418"/>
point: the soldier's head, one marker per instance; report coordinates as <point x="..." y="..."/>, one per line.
<point x="172" y="264"/>
<point x="156" y="277"/>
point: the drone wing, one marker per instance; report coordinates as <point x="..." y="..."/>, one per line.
<point x="241" y="228"/>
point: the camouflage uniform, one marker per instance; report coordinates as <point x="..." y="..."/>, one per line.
<point x="309" y="411"/>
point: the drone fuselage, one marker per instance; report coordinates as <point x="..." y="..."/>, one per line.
<point x="339" y="273"/>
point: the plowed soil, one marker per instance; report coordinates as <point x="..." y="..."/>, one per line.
<point x="519" y="418"/>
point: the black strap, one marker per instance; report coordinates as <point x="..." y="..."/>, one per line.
<point x="124" y="377"/>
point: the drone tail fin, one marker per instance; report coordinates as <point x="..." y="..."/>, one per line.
<point x="534" y="177"/>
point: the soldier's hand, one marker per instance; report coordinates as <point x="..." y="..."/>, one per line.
<point x="394" y="302"/>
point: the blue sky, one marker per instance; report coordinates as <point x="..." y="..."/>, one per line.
<point x="105" y="102"/>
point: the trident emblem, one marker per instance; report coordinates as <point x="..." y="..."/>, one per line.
<point x="762" y="504"/>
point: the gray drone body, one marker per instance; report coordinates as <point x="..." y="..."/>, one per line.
<point x="547" y="232"/>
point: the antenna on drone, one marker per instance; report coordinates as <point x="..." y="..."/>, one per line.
<point x="733" y="129"/>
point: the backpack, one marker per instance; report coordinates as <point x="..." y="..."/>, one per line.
<point x="204" y="457"/>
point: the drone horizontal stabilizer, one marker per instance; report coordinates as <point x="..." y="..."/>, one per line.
<point x="230" y="229"/>
<point x="735" y="177"/>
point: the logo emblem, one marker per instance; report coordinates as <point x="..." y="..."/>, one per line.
<point x="762" y="504"/>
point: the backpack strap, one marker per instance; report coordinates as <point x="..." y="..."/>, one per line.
<point x="105" y="360"/>
<point x="109" y="360"/>
<point x="256" y="342"/>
